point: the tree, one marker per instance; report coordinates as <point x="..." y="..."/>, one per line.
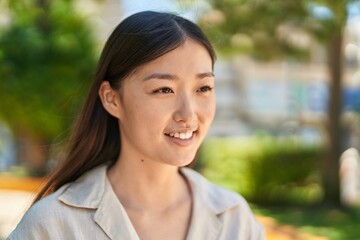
<point x="46" y="56"/>
<point x="261" y="28"/>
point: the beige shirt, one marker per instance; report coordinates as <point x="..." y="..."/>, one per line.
<point x="89" y="209"/>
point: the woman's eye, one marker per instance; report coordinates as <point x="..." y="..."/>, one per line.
<point x="204" y="89"/>
<point x="164" y="90"/>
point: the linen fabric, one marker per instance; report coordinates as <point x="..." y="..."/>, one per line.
<point x="89" y="209"/>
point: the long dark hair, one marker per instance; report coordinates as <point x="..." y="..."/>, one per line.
<point x="139" y="39"/>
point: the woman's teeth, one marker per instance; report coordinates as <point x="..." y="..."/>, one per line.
<point x="182" y="135"/>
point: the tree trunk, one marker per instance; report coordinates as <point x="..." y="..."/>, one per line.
<point x="43" y="22"/>
<point x="330" y="167"/>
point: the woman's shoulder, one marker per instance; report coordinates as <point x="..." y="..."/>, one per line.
<point x="73" y="202"/>
<point x="40" y="217"/>
<point x="73" y="194"/>
<point x="45" y="206"/>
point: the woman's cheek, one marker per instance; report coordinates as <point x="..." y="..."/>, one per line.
<point x="207" y="108"/>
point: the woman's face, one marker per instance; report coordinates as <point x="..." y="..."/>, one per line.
<point x="167" y="105"/>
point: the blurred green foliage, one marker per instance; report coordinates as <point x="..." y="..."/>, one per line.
<point x="265" y="170"/>
<point x="332" y="223"/>
<point x="272" y="29"/>
<point x="16" y="171"/>
<point x="46" y="58"/>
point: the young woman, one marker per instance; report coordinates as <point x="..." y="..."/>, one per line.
<point x="148" y="109"/>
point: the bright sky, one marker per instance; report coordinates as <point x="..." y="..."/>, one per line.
<point x="354" y="10"/>
<point x="133" y="6"/>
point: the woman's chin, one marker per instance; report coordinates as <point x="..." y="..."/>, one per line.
<point x="181" y="162"/>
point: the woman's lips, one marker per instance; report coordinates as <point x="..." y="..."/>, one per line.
<point x="183" y="139"/>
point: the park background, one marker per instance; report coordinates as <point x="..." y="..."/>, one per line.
<point x="286" y="131"/>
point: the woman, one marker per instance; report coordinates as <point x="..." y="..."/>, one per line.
<point x="149" y="107"/>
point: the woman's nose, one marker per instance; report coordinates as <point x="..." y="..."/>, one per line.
<point x="185" y="109"/>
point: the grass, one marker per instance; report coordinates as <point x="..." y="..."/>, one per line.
<point x="335" y="224"/>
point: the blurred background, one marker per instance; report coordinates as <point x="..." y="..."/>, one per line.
<point x="286" y="134"/>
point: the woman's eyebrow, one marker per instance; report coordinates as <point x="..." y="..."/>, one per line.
<point x="164" y="76"/>
<point x="206" y="74"/>
<point x="167" y="76"/>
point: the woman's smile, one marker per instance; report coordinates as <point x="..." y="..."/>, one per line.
<point x="182" y="138"/>
<point x="181" y="135"/>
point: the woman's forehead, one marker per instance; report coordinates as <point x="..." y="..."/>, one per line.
<point x="190" y="55"/>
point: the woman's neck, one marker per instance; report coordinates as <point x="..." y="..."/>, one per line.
<point x="148" y="186"/>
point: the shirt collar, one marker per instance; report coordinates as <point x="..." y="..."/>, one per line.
<point x="209" y="202"/>
<point x="87" y="191"/>
<point x="210" y="194"/>
<point x="93" y="191"/>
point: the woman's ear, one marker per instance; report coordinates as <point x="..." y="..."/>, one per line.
<point x="110" y="99"/>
